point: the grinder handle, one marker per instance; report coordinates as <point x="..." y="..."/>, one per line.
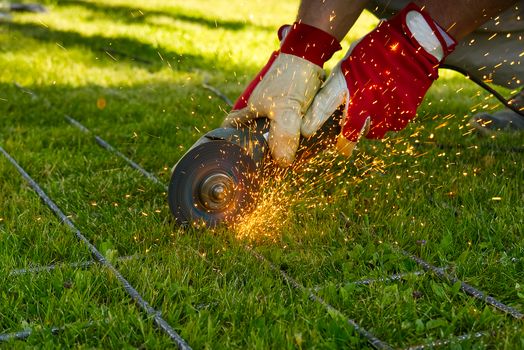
<point x="253" y="138"/>
<point x="324" y="138"/>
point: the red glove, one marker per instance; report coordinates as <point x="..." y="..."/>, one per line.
<point x="383" y="78"/>
<point x="285" y="87"/>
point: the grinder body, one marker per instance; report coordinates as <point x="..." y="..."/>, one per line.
<point x="218" y="178"/>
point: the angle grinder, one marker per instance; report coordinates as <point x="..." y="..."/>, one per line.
<point x="217" y="180"/>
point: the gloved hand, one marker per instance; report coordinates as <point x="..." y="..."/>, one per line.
<point x="382" y="79"/>
<point x="285" y="87"/>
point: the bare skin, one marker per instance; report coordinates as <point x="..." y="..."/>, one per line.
<point x="335" y="17"/>
<point x="458" y="17"/>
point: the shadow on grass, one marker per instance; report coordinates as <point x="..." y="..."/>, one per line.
<point x="162" y="109"/>
<point x="132" y="50"/>
<point x="153" y="124"/>
<point x="135" y="14"/>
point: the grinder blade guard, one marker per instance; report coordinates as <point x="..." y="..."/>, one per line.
<point x="218" y="178"/>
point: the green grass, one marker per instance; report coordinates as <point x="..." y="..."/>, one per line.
<point x="133" y="74"/>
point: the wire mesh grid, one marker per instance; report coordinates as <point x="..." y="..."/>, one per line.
<point x="427" y="268"/>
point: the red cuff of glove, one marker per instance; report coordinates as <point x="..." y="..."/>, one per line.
<point x="300" y="40"/>
<point x="241" y="102"/>
<point x="308" y="42"/>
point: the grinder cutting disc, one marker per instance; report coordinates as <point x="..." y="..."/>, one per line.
<point x="216" y="180"/>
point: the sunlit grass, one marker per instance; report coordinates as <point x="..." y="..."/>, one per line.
<point x="133" y="74"/>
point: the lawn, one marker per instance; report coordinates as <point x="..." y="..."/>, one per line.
<point x="133" y="74"/>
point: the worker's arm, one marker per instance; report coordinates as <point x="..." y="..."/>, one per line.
<point x="384" y="76"/>
<point x="285" y="87"/>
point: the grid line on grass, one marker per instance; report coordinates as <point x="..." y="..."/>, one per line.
<point x="374" y="341"/>
<point x="87" y="264"/>
<point x="368" y="281"/>
<point x="22" y="335"/>
<point x="74" y="265"/>
<point x="217" y="92"/>
<point x="133" y="293"/>
<point x="111" y="149"/>
<point x="97" y="138"/>
<point x="466" y="288"/>
<point x="449" y="341"/>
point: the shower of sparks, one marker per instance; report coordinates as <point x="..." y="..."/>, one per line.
<point x="324" y="181"/>
<point x="327" y="179"/>
<point x="313" y="184"/>
<point x="394" y="47"/>
<point x="101" y="103"/>
<point x="270" y="215"/>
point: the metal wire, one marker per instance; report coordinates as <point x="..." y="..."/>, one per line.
<point x="368" y="281"/>
<point x="449" y="341"/>
<point x="100" y="141"/>
<point x="17" y="335"/>
<point x="111" y="149"/>
<point x="372" y="339"/>
<point x="217" y="92"/>
<point x="52" y="267"/>
<point x="133" y="293"/>
<point x="22" y="335"/>
<point x="466" y="288"/>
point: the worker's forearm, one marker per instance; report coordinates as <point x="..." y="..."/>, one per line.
<point x="332" y="16"/>
<point x="461" y="17"/>
<point x="458" y="17"/>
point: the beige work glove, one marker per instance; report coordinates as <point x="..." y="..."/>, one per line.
<point x="285" y="87"/>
